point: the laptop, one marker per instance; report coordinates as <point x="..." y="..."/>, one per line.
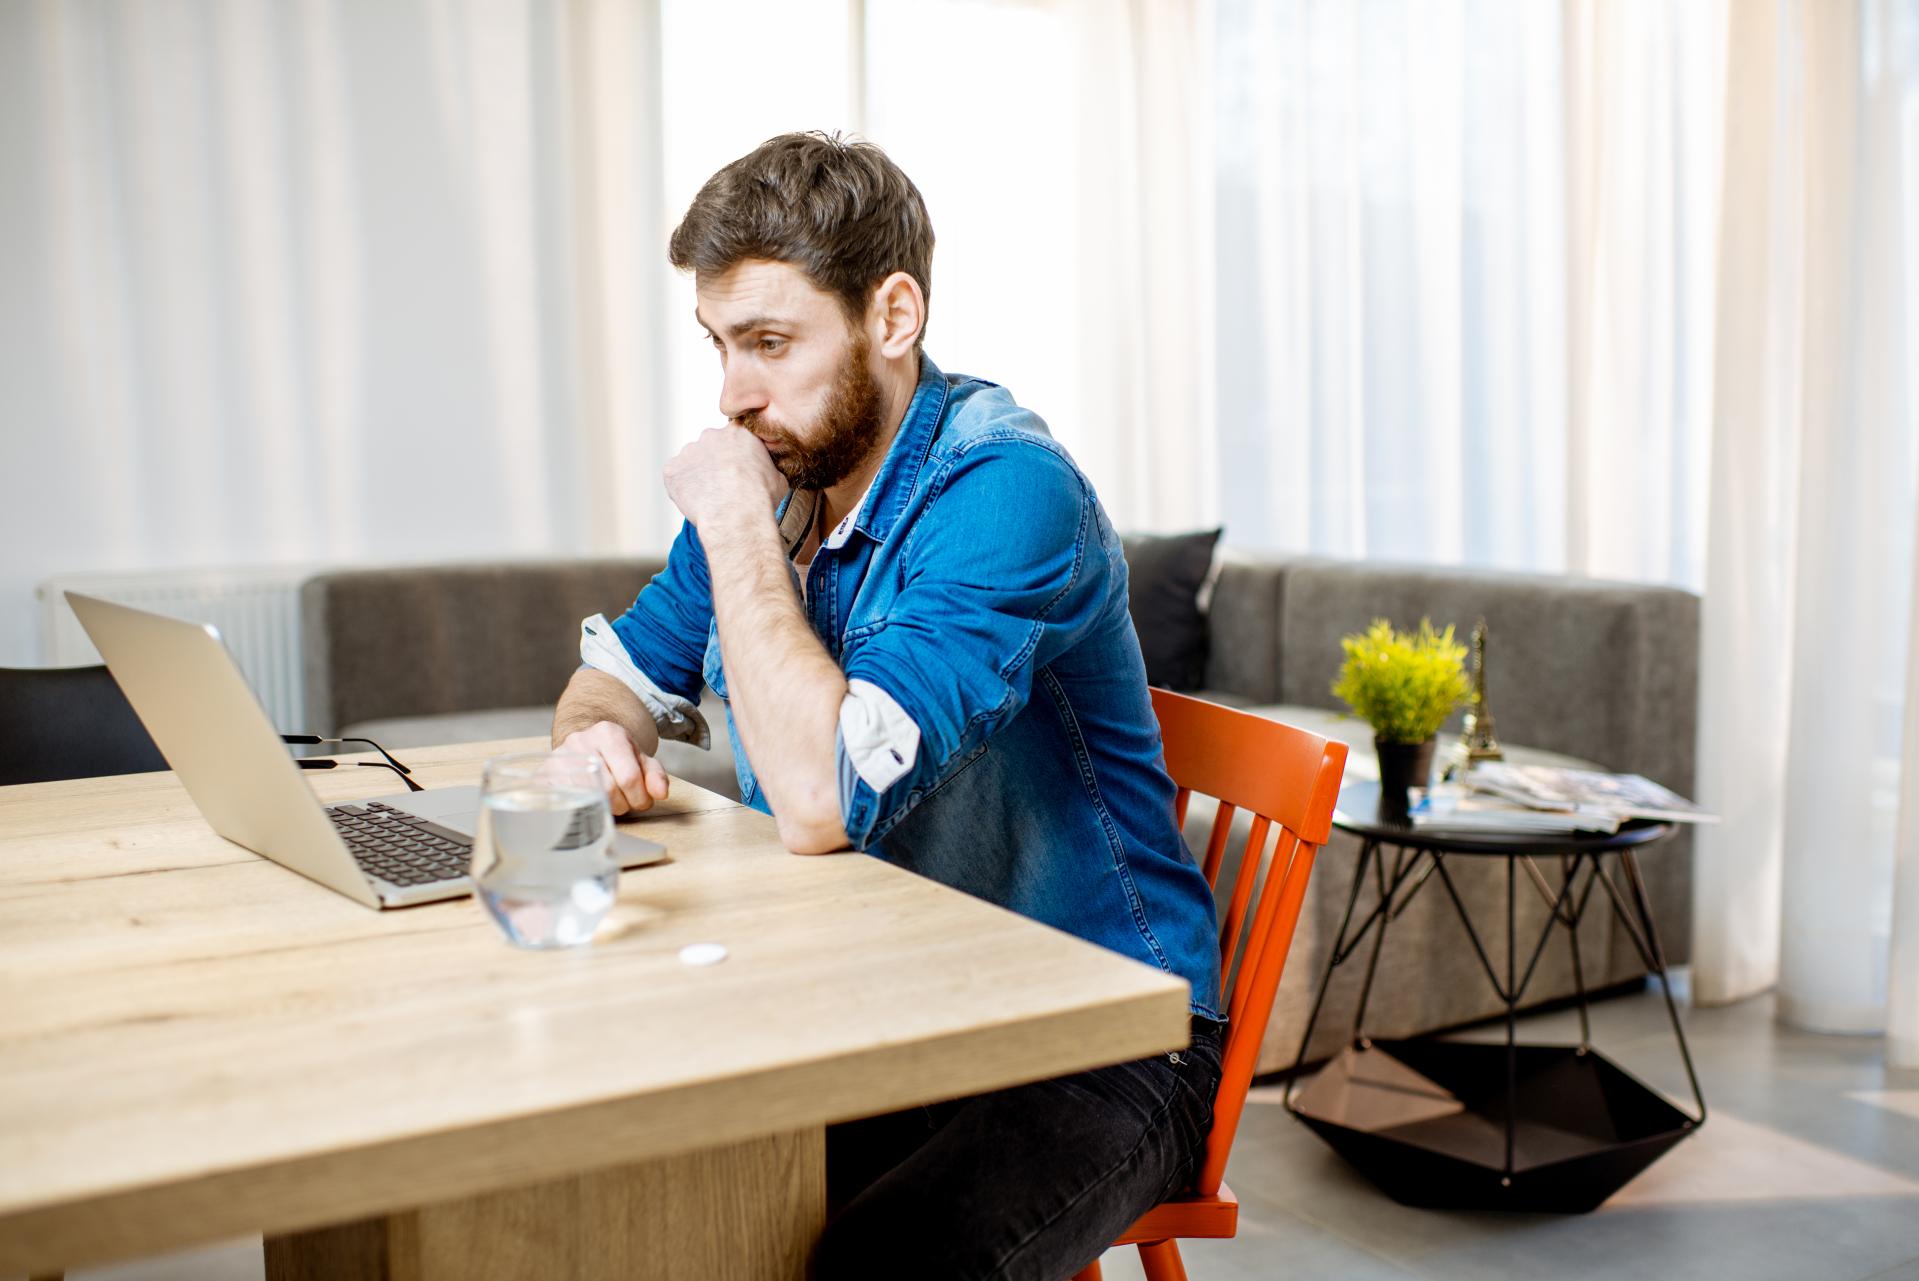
<point x="388" y="851"/>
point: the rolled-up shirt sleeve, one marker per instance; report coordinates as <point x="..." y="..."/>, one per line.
<point x="655" y="648"/>
<point x="995" y="586"/>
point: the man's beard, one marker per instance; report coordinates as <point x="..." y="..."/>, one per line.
<point x="848" y="426"/>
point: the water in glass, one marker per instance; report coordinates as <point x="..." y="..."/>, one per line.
<point x="542" y="858"/>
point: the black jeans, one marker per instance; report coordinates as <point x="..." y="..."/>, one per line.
<point x="1030" y="1182"/>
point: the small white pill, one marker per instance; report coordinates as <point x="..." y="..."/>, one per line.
<point x="702" y="954"/>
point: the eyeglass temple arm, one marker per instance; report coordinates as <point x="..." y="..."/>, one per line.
<point x="309" y="763"/>
<point x="310" y="740"/>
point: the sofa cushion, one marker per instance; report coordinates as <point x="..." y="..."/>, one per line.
<point x="1601" y="670"/>
<point x="420" y="640"/>
<point x="489" y="725"/>
<point x="1362" y="763"/>
<point x="1243" y="628"/>
<point x="1164" y="576"/>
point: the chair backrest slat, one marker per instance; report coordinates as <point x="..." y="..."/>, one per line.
<point x="1216" y="840"/>
<point x="1284" y="777"/>
<point x="1244" y="880"/>
<point x="1281" y="865"/>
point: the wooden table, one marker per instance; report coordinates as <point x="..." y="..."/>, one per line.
<point x="196" y="1043"/>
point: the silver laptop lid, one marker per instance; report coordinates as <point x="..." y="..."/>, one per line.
<point x="204" y="717"/>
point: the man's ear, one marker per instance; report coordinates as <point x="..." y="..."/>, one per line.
<point x="897" y="315"/>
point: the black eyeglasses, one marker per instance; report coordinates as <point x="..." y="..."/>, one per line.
<point x="386" y="761"/>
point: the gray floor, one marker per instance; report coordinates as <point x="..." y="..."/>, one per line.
<point x="1807" y="1168"/>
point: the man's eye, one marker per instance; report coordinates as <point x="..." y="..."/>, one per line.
<point x="772" y="345"/>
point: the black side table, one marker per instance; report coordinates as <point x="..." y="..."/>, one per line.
<point x="1472" y="1125"/>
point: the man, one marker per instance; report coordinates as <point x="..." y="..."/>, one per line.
<point x="915" y="610"/>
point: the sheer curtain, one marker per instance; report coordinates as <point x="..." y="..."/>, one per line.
<point x="1391" y="281"/>
<point x="319" y="281"/>
<point x="1816" y="432"/>
<point x="1465" y="280"/>
<point x="1144" y="322"/>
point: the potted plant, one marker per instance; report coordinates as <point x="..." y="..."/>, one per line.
<point x="1405" y="685"/>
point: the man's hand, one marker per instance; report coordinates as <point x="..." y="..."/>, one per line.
<point x="636" y="780"/>
<point x="726" y="472"/>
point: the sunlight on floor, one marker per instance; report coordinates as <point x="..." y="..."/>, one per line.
<point x="1733" y="1160"/>
<point x="1905" y="1102"/>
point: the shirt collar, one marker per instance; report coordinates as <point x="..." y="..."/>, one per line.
<point x="878" y="511"/>
<point x="899" y="474"/>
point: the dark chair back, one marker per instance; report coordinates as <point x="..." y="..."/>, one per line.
<point x="69" y="722"/>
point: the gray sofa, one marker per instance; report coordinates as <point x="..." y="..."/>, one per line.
<point x="1603" y="671"/>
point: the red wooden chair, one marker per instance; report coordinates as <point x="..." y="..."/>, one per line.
<point x="1283" y="777"/>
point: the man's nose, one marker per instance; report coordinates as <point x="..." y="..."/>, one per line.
<point x="740" y="392"/>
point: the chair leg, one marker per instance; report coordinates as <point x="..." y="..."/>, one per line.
<point x="1090" y="1272"/>
<point x="1161" y="1261"/>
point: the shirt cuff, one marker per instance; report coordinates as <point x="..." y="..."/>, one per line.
<point x="880" y="740"/>
<point x="677" y="718"/>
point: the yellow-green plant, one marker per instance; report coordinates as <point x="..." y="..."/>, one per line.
<point x="1403" y="684"/>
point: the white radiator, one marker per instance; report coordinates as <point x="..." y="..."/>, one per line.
<point x="256" y="610"/>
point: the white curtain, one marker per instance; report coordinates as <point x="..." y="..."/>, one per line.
<point x="1465" y="280"/>
<point x="1143" y="152"/>
<point x="329" y="280"/>
<point x="1643" y="105"/>
<point x="1807" y="620"/>
<point x="1391" y="280"/>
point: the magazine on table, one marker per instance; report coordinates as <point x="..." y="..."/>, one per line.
<point x="1450" y="807"/>
<point x="1554" y="790"/>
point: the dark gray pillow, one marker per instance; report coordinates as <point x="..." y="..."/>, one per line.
<point x="1164" y="575"/>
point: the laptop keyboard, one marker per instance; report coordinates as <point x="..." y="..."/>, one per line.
<point x="402" y="848"/>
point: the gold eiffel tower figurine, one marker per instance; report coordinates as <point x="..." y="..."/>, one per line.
<point x="1479" y="740"/>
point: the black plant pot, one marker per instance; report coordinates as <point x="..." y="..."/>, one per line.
<point x="1402" y="765"/>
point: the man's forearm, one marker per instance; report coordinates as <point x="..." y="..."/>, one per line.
<point x="593" y="696"/>
<point x="785" y="689"/>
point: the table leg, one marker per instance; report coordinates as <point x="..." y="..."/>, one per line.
<point x="1388" y="891"/>
<point x="1512" y="1015"/>
<point x="748" y="1211"/>
<point x="1368" y="850"/>
<point x="1643" y="902"/>
<point x="1569" y="869"/>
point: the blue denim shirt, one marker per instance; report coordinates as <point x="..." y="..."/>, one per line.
<point x="983" y="588"/>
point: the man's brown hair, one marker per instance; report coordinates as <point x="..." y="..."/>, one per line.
<point x="838" y="210"/>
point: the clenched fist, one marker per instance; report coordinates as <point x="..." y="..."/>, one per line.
<point x="726" y="471"/>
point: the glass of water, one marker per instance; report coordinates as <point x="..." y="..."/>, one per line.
<point x="543" y="855"/>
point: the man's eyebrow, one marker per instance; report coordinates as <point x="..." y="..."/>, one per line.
<point x="747" y="326"/>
